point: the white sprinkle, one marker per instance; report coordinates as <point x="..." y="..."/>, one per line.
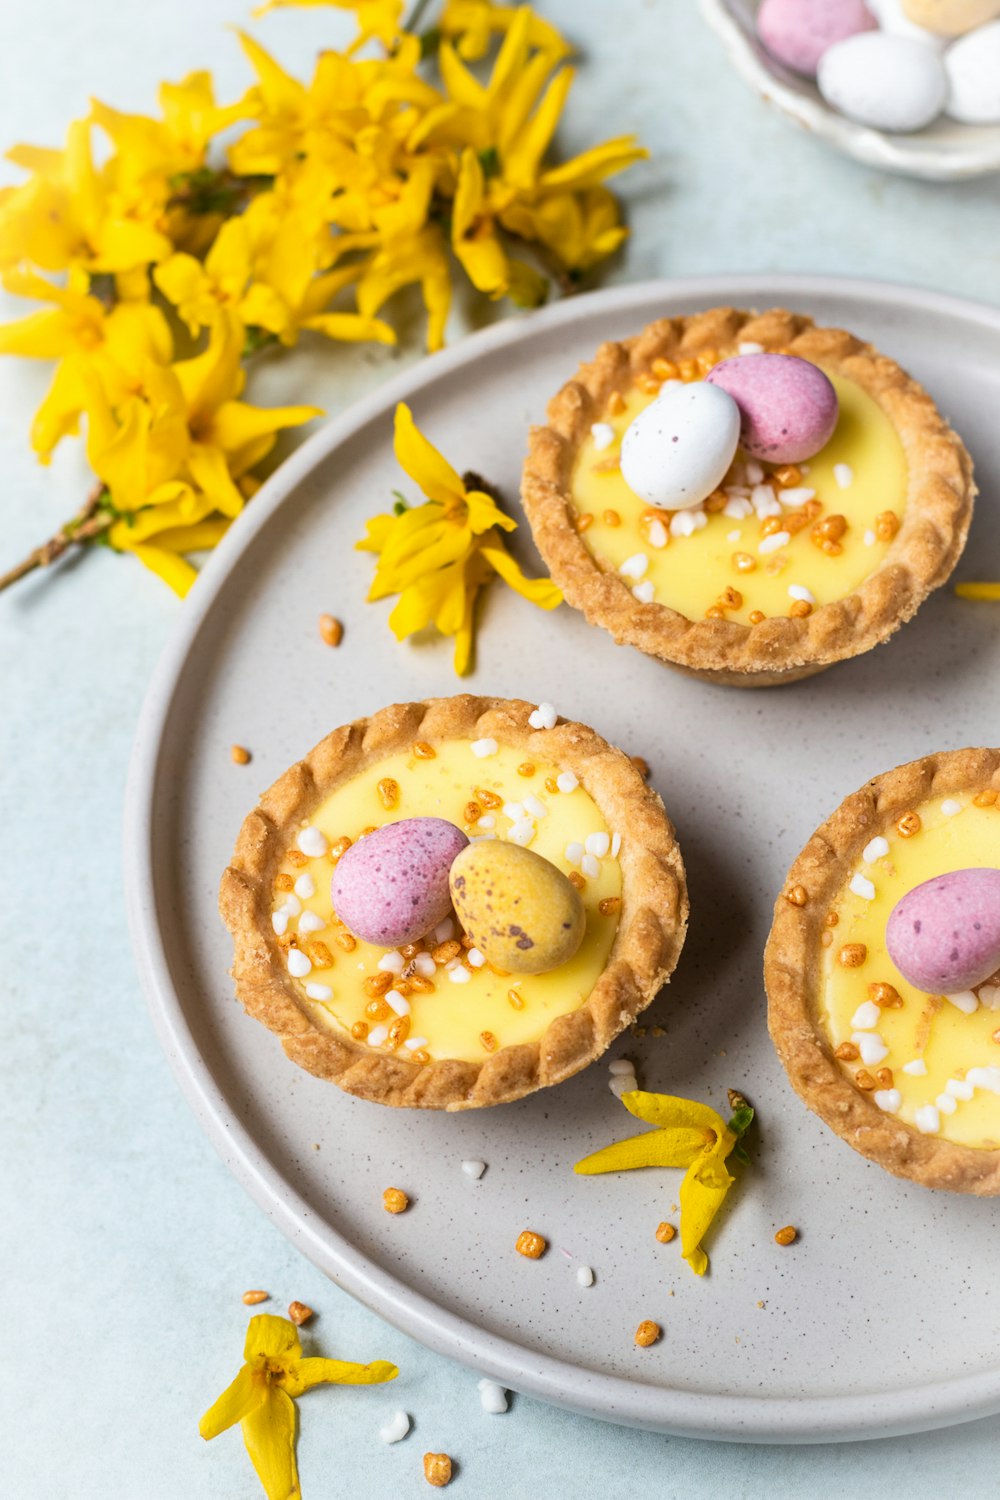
<point x="772" y="543"/>
<point x="916" y="1069"/>
<point x="635" y="566"/>
<point x="621" y="1065"/>
<point x="291" y="905"/>
<point x="522" y="832"/>
<point x="734" y="536"/>
<point x="844" y="475"/>
<point x="535" y="807"/>
<point x="279" y="921"/>
<point x="866" y="1017"/>
<point x="396" y="1428"/>
<point x="946" y="1104"/>
<point x="391" y="963"/>
<point x="444" y="931"/>
<point x="794" y="499"/>
<point x="877" y="848"/>
<point x="305" y="886"/>
<point x="870" y="540"/>
<point x="584" y="1276"/>
<point x="764" y="502"/>
<point x="414" y="1043"/>
<point x="616" y="843"/>
<point x="493" y="1397"/>
<point x="927" y="1119"/>
<point x="299" y="964"/>
<point x="319" y="992"/>
<point x="513" y="810"/>
<point x="598" y="843"/>
<point x="989" y="996"/>
<point x="750" y="348"/>
<point x="399" y="1002"/>
<point x="965" y="1001"/>
<point x="623" y="1083"/>
<point x="862" y="886"/>
<point x="950" y="807"/>
<point x="799" y="591"/>
<point x="645" y="591"/>
<point x="888" y="1100"/>
<point x="590" y="866"/>
<point x="311" y="921"/>
<point x="959" y="1088"/>
<point x="985" y="1078"/>
<point x="311" y="842"/>
<point x="476" y="959"/>
<point x="603" y="435"/>
<point x="574" y="853"/>
<point x="483" y="748"/>
<point x="424" y="965"/>
<point x="566" y="781"/>
<point x="543" y="717"/>
<point x="487" y="821"/>
<point x="687" y="522"/>
<point x="474" y="1169"/>
<point x="459" y="975"/>
<point x="754" y="471"/>
<point x="657" y="534"/>
<point x="378" y="1035"/>
<point x="871" y="1047"/>
<point x="737" y="507"/>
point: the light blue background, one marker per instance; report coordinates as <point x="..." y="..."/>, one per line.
<point x="125" y="1243"/>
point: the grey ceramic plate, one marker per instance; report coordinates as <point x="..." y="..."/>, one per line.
<point x="883" y="1317"/>
<point x="944" y="152"/>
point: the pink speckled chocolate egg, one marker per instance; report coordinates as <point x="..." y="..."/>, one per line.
<point x="391" y="887"/>
<point x="798" y="32"/>
<point x="788" y="407"/>
<point x="944" y="935"/>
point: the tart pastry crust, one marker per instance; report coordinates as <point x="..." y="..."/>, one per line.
<point x="935" y="522"/>
<point x="792" y="975"/>
<point x="648" y="941"/>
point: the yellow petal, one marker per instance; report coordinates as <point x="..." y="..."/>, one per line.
<point x="271" y="1337"/>
<point x="200" y="538"/>
<point x="41" y="335"/>
<point x="216" y="375"/>
<point x="653" y="1148"/>
<point x="207" y="467"/>
<point x="484" y="513"/>
<point x="269" y="1435"/>
<point x="978" y="590"/>
<point x="593" y="166"/>
<point x="539" y="591"/>
<point x="305" y="1373"/>
<point x="350" y="328"/>
<point x="245" y="433"/>
<point x="239" y="1398"/>
<point x="175" y="572"/>
<point x="424" y="464"/>
<point x="703" y="1190"/>
<point x="665" y="1109"/>
<point x="522" y="158"/>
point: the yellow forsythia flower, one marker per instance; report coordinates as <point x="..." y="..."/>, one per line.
<point x="978" y="590"/>
<point x="438" y="556"/>
<point x="690" y="1135"/>
<point x="261" y="1398"/>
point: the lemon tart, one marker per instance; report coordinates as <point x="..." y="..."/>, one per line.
<point x="901" y="1060"/>
<point x="784" y="567"/>
<point x="435" y="1022"/>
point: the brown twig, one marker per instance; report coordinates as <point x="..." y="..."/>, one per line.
<point x="89" y="523"/>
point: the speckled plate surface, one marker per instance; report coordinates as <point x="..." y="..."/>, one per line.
<point x="883" y="1317"/>
<point x="945" y="151"/>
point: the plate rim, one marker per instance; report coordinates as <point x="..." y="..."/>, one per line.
<point x="777" y="1419"/>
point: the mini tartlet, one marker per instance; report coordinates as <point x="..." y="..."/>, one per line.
<point x="470" y="1035"/>
<point x="909" y="1079"/>
<point x="892" y="504"/>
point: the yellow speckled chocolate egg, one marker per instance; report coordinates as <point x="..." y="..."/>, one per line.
<point x="518" y="908"/>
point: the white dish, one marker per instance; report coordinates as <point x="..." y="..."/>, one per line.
<point x="944" y="152"/>
<point x="880" y="1319"/>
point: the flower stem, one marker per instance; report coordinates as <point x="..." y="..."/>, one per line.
<point x="89" y="523"/>
<point x="414" y="18"/>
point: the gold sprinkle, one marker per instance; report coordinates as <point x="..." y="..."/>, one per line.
<point x="252" y="1298"/>
<point x="395" y="1201"/>
<point x="786" y="1236"/>
<point x="884" y="1076"/>
<point x="797" y="896"/>
<point x="377" y="984"/>
<point x="320" y="954"/>
<point x="801" y="609"/>
<point x="886" y="525"/>
<point x="575" y="878"/>
<point x="886" y="996"/>
<point x="852" y="955"/>
<point x="664" y="369"/>
<point x="388" y="791"/>
<point x="489" y="1041"/>
<point x="331" y="630"/>
<point x="530" y="1244"/>
<point x="526" y="768"/>
<point x="908" y="825"/>
<point x="616" y="403"/>
<point x="583" y="522"/>
<point x="757" y="617"/>
<point x="612" y="518"/>
<point x="744" y="562"/>
<point x="345" y="941"/>
<point x="283" y="882"/>
<point x="641" y="765"/>
<point x="864" y="1080"/>
<point x="359" y="1031"/>
<point x="647" y="1333"/>
<point x="665" y="1233"/>
<point x="988" y="798"/>
<point x="240" y="755"/>
<point x="516" y="999"/>
<point x="437" y="1469"/>
<point x="609" y="905"/>
<point x="300" y="1313"/>
<point x="423" y="751"/>
<point x="847" y="1052"/>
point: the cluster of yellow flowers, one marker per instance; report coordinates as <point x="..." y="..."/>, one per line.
<point x="164" y="257"/>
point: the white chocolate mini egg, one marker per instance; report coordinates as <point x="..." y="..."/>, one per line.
<point x="893" y="19"/>
<point x="888" y="82"/>
<point x="951" y="17"/>
<point x="679" y="448"/>
<point x="973" y="68"/>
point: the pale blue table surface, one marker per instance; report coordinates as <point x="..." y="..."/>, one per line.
<point x="125" y="1243"/>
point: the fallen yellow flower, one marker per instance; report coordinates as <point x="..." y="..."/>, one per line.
<point x="688" y="1135"/>
<point x="438" y="556"/>
<point x="260" y="1398"/>
<point x="978" y="590"/>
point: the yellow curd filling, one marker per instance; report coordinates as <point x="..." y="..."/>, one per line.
<point x="482" y="1009"/>
<point x="860" y="476"/>
<point x="925" y="1031"/>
